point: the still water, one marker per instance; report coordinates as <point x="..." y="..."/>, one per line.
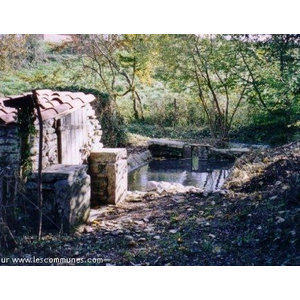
<point x="207" y="175"/>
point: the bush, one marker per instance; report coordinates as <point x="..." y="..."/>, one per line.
<point x="268" y="128"/>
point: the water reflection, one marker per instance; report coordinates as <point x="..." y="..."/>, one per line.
<point x="208" y="175"/>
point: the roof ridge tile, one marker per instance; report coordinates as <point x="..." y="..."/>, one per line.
<point x="53" y="103"/>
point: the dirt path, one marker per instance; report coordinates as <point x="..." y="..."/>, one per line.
<point x="256" y="222"/>
<point x="183" y="230"/>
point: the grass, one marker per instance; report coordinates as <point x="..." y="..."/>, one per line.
<point x="176" y="133"/>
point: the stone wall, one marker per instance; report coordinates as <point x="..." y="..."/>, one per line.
<point x="229" y="154"/>
<point x="67" y="193"/>
<point x="66" y="190"/>
<point x="9" y="146"/>
<point x="94" y="130"/>
<point x="136" y="160"/>
<point x="10" y="143"/>
<point x="166" y="148"/>
<point x="50" y="140"/>
<point x="50" y="155"/>
<point x="169" y="148"/>
<point x="200" y="151"/>
<point x="9" y="163"/>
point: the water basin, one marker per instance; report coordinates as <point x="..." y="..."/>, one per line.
<point x="207" y="175"/>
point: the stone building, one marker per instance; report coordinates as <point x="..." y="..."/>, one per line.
<point x="76" y="169"/>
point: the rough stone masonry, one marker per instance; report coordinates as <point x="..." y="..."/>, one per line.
<point x="71" y="134"/>
<point x="50" y="141"/>
<point x="67" y="194"/>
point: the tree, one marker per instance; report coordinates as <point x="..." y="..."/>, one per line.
<point x="13" y="51"/>
<point x="118" y="61"/>
<point x="136" y="58"/>
<point x="205" y="67"/>
<point x="273" y="67"/>
<point x="219" y="87"/>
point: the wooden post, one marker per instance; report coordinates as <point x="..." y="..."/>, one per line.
<point x="40" y="166"/>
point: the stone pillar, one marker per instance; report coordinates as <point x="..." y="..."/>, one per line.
<point x="108" y="170"/>
<point x="200" y="151"/>
<point x="187" y="151"/>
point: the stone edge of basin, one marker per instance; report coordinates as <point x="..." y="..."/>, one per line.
<point x="163" y="147"/>
<point x="137" y="160"/>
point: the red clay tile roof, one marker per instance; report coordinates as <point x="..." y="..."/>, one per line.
<point x="52" y="104"/>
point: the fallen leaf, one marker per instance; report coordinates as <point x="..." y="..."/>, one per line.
<point x="216" y="249"/>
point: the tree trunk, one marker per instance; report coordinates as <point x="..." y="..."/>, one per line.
<point x="135" y="110"/>
<point x="175" y="112"/>
<point x="141" y="105"/>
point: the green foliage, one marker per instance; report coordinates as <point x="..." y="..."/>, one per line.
<point x="113" y="126"/>
<point x="34" y="77"/>
<point x="10" y="84"/>
<point x="178" y="133"/>
<point x="267" y="128"/>
<point x="238" y="86"/>
<point x="26" y="129"/>
<point x="204" y="67"/>
<point x="273" y="64"/>
<point x="13" y="51"/>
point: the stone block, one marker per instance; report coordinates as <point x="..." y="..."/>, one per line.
<point x="200" y="151"/>
<point x="97" y="168"/>
<point x="61" y="172"/>
<point x="187" y="151"/>
<point x="231" y="153"/>
<point x="108" y="155"/>
<point x="166" y="148"/>
<point x="67" y="194"/>
<point x="73" y="201"/>
<point x="108" y="170"/>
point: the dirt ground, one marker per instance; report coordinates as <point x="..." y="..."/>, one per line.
<point x="254" y="221"/>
